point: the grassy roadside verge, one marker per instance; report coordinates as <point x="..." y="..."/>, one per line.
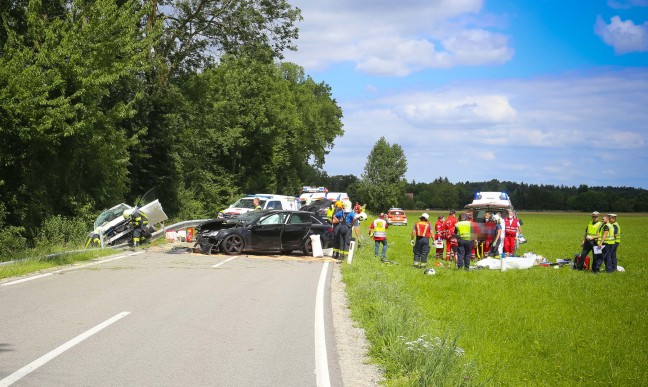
<point x="541" y="326"/>
<point x="32" y="261"/>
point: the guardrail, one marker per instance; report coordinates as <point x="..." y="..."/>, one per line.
<point x="154" y="236"/>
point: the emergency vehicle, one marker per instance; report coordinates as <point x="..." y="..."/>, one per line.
<point x="266" y="201"/>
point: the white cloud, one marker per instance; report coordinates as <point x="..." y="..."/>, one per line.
<point x="549" y="130"/>
<point x="625" y="4"/>
<point x="624" y="36"/>
<point x="396" y="38"/>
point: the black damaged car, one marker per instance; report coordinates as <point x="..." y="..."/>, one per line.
<point x="263" y="231"/>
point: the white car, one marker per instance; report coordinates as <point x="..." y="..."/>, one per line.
<point x="266" y="201"/>
<point x="111" y="228"/>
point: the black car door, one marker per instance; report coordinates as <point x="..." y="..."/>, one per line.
<point x="295" y="230"/>
<point x="266" y="233"/>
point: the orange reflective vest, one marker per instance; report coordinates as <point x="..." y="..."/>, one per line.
<point x="422" y="229"/>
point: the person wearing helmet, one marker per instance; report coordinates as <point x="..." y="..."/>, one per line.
<point x="139" y="221"/>
<point x="420" y="241"/>
<point x="340" y="231"/>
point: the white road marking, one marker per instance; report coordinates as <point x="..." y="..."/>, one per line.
<point x="21" y="373"/>
<point x="222" y="263"/>
<point x="70" y="268"/>
<point x="321" y="359"/>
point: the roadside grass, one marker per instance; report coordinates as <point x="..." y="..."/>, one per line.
<point x="541" y="326"/>
<point x="35" y="260"/>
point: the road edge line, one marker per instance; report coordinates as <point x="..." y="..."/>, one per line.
<point x="321" y="358"/>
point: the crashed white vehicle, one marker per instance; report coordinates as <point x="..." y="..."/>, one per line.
<point x="110" y="227"/>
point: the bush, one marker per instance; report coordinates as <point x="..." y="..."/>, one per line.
<point x="58" y="230"/>
<point x="12" y="240"/>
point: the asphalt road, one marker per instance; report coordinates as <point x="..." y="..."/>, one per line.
<point x="161" y="319"/>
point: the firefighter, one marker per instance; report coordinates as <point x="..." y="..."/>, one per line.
<point x="464" y="238"/>
<point x="451" y="246"/>
<point x="589" y="240"/>
<point x="421" y="240"/>
<point x="340" y="232"/>
<point x="439" y="236"/>
<point x="139" y="221"/>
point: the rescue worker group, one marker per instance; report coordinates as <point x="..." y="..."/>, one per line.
<point x="463" y="240"/>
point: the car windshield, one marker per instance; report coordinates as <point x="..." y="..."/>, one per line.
<point x="246" y="218"/>
<point x="248" y="203"/>
<point x="110" y="214"/>
<point x="396" y="213"/>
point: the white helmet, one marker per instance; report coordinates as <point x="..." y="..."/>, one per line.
<point x="429" y="271"/>
<point x="425" y="216"/>
<point x="127" y="213"/>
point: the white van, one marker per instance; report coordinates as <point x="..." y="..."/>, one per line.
<point x="266" y="201"/>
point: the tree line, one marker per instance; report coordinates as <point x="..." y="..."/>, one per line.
<point x="102" y="100"/>
<point x="442" y="194"/>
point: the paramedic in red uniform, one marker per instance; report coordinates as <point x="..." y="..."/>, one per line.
<point x="439" y="235"/>
<point x="451" y="248"/>
<point x="511" y="228"/>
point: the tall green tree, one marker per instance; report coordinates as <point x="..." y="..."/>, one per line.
<point x="68" y="84"/>
<point x="382" y="184"/>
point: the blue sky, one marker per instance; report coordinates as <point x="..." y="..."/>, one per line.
<point x="542" y="92"/>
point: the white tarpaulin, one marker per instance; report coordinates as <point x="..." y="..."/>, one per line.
<point x="509" y="263"/>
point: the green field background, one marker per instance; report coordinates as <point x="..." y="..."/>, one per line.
<point x="541" y="326"/>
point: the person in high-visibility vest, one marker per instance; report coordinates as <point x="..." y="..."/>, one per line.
<point x="463" y="233"/>
<point x="340" y="232"/>
<point x="257" y="204"/>
<point x="421" y="240"/>
<point x="139" y="221"/>
<point x="378" y="230"/>
<point x="617" y="239"/>
<point x="606" y="242"/>
<point x="589" y="240"/>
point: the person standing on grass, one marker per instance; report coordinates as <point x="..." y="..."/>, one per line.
<point x="511" y="229"/>
<point x="451" y="246"/>
<point x="378" y="230"/>
<point x="421" y="240"/>
<point x="439" y="235"/>
<point x="617" y="239"/>
<point x="606" y="242"/>
<point x="589" y="240"/>
<point x="464" y="238"/>
<point x="497" y="239"/>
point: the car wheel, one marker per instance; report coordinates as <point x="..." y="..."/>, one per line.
<point x="308" y="247"/>
<point x="232" y="244"/>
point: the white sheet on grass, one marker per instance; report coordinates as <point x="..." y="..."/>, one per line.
<point x="509" y="263"/>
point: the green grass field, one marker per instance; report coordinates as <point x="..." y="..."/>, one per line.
<point x="541" y="326"/>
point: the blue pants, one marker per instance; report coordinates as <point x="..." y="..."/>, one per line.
<point x="604" y="257"/>
<point x="614" y="256"/>
<point x="377" y="247"/>
<point x="463" y="254"/>
<point x="421" y="249"/>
